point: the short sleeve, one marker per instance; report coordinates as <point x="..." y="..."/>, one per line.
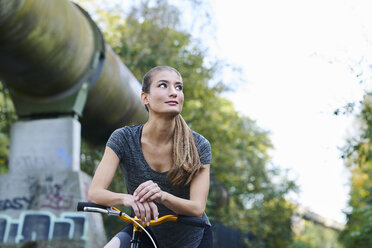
<point x="204" y="148"/>
<point x="117" y="142"/>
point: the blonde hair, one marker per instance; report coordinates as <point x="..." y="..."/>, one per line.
<point x="186" y="161"/>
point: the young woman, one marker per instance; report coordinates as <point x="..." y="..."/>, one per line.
<point x="165" y="166"/>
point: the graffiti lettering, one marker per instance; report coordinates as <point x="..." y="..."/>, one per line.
<point x="42" y="225"/>
<point x="16" y="203"/>
<point x="51" y="194"/>
<point x="58" y="202"/>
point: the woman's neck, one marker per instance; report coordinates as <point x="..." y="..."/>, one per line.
<point x="159" y="131"/>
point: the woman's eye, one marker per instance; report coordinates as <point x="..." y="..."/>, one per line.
<point x="179" y="87"/>
<point x="162" y="85"/>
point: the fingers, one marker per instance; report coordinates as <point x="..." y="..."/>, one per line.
<point x="156" y="197"/>
<point x="154" y="210"/>
<point x="143" y="189"/>
<point x="144" y="210"/>
<point x="151" y="195"/>
<point x="147" y="213"/>
<point x="147" y="191"/>
<point x="142" y="186"/>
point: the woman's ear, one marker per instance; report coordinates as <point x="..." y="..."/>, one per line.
<point x="144" y="98"/>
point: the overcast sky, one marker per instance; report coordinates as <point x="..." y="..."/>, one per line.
<point x="296" y="57"/>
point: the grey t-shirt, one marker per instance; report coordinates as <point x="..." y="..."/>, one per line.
<point x="126" y="143"/>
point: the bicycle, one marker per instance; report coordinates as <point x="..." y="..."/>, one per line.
<point x="137" y="226"/>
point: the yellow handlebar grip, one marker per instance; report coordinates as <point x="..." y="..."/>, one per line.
<point x="152" y="222"/>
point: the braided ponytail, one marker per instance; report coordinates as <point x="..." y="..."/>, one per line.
<point x="186" y="161"/>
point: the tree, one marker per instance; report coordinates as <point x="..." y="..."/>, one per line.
<point x="314" y="235"/>
<point x="7" y="117"/>
<point x="358" y="156"/>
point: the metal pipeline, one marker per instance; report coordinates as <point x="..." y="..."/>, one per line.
<point x="49" y="49"/>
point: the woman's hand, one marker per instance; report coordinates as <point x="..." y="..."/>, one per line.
<point x="143" y="210"/>
<point x="148" y="191"/>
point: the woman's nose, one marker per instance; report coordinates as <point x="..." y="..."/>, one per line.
<point x="172" y="91"/>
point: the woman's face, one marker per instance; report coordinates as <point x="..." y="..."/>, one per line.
<point x="166" y="93"/>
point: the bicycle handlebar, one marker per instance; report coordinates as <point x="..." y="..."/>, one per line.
<point x="188" y="220"/>
<point x="193" y="221"/>
<point x="82" y="205"/>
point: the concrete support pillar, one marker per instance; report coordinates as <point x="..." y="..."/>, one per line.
<point x="45" y="145"/>
<point x="39" y="195"/>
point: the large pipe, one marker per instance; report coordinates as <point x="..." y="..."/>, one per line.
<point x="113" y="102"/>
<point x="48" y="48"/>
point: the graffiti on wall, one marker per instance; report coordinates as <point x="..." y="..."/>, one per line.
<point x="42" y="225"/>
<point x="52" y="193"/>
<point x="16" y="203"/>
<point x="47" y="193"/>
<point x="42" y="207"/>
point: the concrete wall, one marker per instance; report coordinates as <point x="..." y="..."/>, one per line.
<point x="39" y="195"/>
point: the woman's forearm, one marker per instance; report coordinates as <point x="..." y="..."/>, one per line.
<point x="106" y="197"/>
<point x="183" y="206"/>
<point x="199" y="188"/>
<point x="98" y="192"/>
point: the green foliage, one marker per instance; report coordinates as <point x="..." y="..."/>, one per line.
<point x="270" y="223"/>
<point x="314" y="235"/>
<point x="358" y="155"/>
<point x="359" y="228"/>
<point x="7" y="117"/>
<point x="298" y="243"/>
<point x="90" y="157"/>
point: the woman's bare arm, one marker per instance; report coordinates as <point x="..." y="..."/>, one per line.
<point x="102" y="179"/>
<point x="99" y="194"/>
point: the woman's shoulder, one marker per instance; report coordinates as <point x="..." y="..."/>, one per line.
<point x="128" y="130"/>
<point x="204" y="148"/>
<point x="125" y="134"/>
<point x="124" y="139"/>
<point x="199" y="138"/>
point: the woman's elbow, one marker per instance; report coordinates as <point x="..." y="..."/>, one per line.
<point x="198" y="211"/>
<point x="92" y="196"/>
